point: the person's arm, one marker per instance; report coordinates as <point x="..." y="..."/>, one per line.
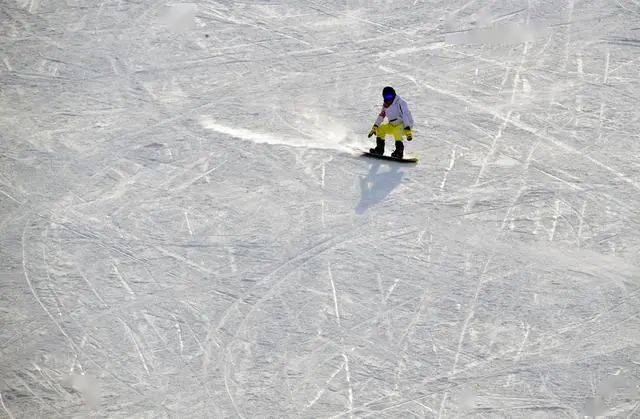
<point x="379" y="119"/>
<point x="407" y="119"/>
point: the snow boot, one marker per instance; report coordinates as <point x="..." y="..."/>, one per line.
<point x="399" y="151"/>
<point x="379" y="147"/>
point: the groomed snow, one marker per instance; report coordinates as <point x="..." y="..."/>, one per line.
<point x="187" y="229"/>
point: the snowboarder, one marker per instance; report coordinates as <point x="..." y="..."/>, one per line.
<point x="396" y="110"/>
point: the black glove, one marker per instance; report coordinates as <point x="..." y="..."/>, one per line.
<point x="374" y="131"/>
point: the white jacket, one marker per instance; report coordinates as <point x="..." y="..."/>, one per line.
<point x="397" y="113"/>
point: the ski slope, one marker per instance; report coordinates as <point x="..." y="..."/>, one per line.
<point x="187" y="229"/>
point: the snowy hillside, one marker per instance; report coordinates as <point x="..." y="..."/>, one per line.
<point x="187" y="229"/>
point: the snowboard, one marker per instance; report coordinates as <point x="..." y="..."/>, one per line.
<point x="383" y="157"/>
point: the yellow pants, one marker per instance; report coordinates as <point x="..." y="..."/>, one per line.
<point x="388" y="129"/>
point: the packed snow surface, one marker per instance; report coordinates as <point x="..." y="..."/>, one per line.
<point x="188" y="230"/>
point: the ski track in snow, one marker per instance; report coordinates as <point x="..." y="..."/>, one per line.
<point x="187" y="228"/>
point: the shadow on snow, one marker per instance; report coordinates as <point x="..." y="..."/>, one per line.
<point x="376" y="186"/>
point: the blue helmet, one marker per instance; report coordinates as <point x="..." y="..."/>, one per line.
<point x="388" y="94"/>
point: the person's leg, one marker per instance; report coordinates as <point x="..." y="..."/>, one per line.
<point x="379" y="149"/>
<point x="383" y="131"/>
<point x="399" y="151"/>
<point x="397" y="131"/>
